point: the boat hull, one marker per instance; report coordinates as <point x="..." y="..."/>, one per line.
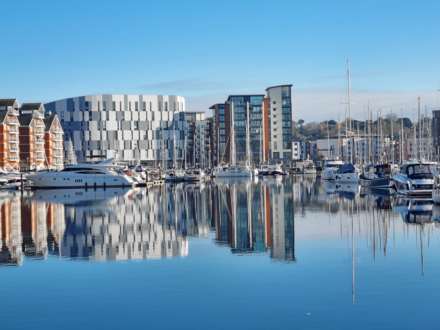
<point x="58" y="180"/>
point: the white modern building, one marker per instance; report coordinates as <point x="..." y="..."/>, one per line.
<point x="129" y="128"/>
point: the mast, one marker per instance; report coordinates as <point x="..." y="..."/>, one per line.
<point x="185" y="145"/>
<point x="419" y="151"/>
<point x="248" y="138"/>
<point x="233" y="156"/>
<point x="349" y="109"/>
<point x="392" y="138"/>
<point x="369" y="133"/>
<point x="328" y="142"/>
<point x="339" y="140"/>
<point x="401" y="140"/>
<point x="174" y="149"/>
<point x="218" y="147"/>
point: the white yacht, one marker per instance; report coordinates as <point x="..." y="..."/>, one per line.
<point x="330" y="168"/>
<point x="415" y="179"/>
<point x="271" y="169"/>
<point x="86" y="175"/>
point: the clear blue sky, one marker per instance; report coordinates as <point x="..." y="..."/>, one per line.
<point x="205" y="50"/>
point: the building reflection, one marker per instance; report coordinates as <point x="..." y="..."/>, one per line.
<point x="246" y="217"/>
<point x="255" y="218"/>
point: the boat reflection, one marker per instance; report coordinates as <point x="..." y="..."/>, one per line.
<point x="120" y="224"/>
<point x="244" y="216"/>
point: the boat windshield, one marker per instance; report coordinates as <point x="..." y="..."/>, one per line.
<point x="420" y="171"/>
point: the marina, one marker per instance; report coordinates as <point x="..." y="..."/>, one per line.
<point x="251" y="165"/>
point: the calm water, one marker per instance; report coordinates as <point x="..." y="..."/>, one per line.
<point x="289" y="254"/>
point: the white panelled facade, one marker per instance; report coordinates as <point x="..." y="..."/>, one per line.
<point x="129" y="128"/>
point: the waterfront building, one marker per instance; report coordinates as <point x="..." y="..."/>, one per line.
<point x="9" y="141"/>
<point x="220" y="133"/>
<point x="280" y="112"/>
<point x="436" y="132"/>
<point x="202" y="143"/>
<point x="129" y="128"/>
<point x="192" y="121"/>
<point x="299" y="150"/>
<point x="53" y="142"/>
<point x="31" y="136"/>
<point x="247" y="113"/>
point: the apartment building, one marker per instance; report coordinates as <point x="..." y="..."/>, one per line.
<point x="53" y="142"/>
<point x="128" y="128"/>
<point x="9" y="142"/>
<point x="265" y="118"/>
<point x="31" y="136"/>
<point x="280" y="112"/>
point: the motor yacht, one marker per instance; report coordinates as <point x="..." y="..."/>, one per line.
<point x="347" y="173"/>
<point x="415" y="179"/>
<point x="330" y="168"/>
<point x="86" y="175"/>
<point x="376" y="176"/>
<point x="271" y="169"/>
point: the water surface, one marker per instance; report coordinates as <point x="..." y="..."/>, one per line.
<point x="269" y="254"/>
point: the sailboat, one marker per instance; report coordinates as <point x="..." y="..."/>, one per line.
<point x="234" y="170"/>
<point x="175" y="174"/>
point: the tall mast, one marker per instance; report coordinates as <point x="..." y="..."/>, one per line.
<point x="339" y="140"/>
<point x="369" y="133"/>
<point x="233" y="160"/>
<point x="328" y="143"/>
<point x="401" y="140"/>
<point x="248" y="138"/>
<point x="419" y="151"/>
<point x="392" y="138"/>
<point x="349" y="110"/>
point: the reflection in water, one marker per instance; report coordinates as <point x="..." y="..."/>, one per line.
<point x="117" y="224"/>
<point x="245" y="216"/>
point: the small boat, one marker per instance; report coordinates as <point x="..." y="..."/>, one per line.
<point x="175" y="175"/>
<point x="347" y="173"/>
<point x="376" y="176"/>
<point x="330" y="168"/>
<point x="193" y="175"/>
<point x="309" y="167"/>
<point x="232" y="172"/>
<point x="415" y="179"/>
<point x="271" y="169"/>
<point x="86" y="175"/>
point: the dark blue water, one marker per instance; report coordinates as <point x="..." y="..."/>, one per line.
<point x="291" y="254"/>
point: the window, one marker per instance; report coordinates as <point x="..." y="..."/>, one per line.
<point x="114" y="106"/>
<point x="136" y="106"/>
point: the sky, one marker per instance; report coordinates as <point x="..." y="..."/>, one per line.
<point x="206" y="50"/>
